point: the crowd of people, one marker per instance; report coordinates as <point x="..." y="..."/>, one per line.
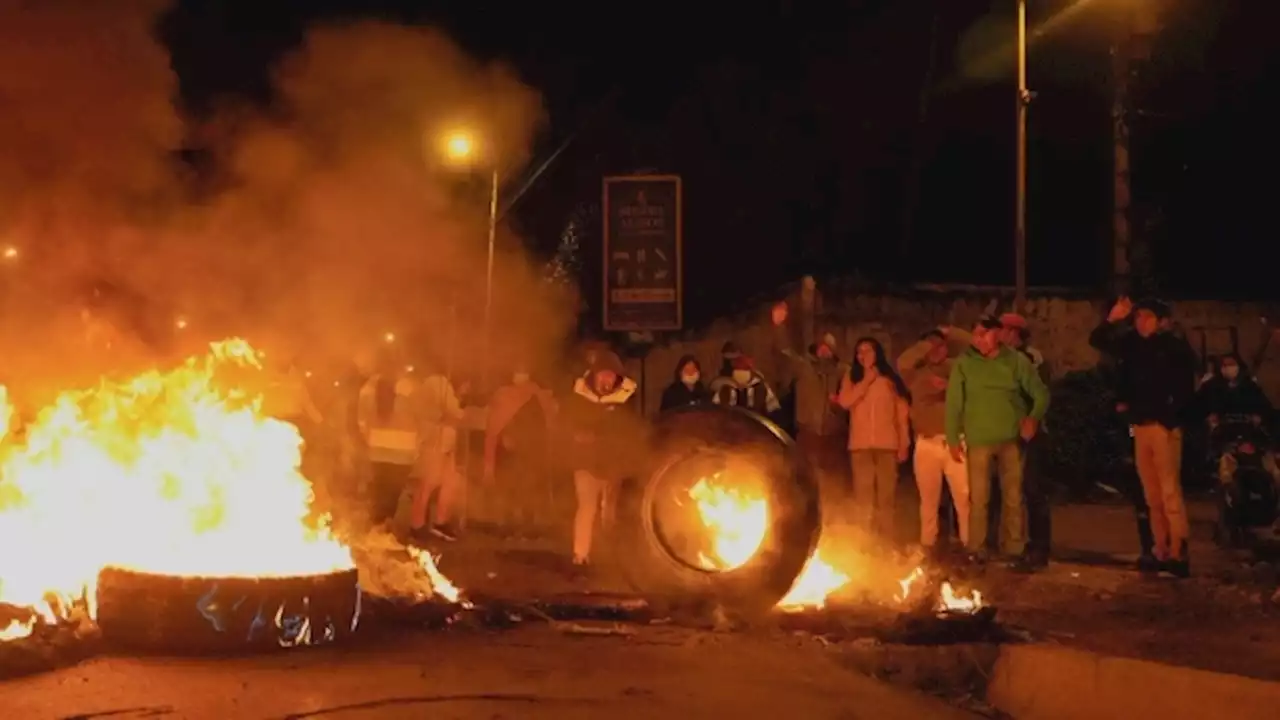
<point x="962" y="409"/>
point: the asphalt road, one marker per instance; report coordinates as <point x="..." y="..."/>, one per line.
<point x="530" y="672"/>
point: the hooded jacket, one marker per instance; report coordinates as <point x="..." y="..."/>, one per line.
<point x="677" y="394"/>
<point x="989" y="397"/>
<point x="605" y="427"/>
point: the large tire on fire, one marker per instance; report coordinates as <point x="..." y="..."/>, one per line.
<point x="689" y="441"/>
<point x="148" y="613"/>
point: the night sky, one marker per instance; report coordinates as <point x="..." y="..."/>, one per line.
<point x="870" y="137"/>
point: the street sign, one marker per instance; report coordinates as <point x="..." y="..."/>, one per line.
<point x="643" y="245"/>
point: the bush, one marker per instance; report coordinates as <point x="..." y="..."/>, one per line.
<point x="1085" y="441"/>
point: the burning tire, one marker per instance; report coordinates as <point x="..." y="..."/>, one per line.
<point x="197" y="615"/>
<point x="747" y="460"/>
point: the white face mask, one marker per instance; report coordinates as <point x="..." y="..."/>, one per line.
<point x="520" y="378"/>
<point x="691" y="379"/>
<point x="1231" y="372"/>
<point x="742" y="377"/>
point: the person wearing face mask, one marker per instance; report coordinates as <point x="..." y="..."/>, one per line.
<point x="687" y="388"/>
<point x="745" y="388"/>
<point x="1232" y="395"/>
<point x="516" y="493"/>
<point x="1155" y="386"/>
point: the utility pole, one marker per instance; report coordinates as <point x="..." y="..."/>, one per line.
<point x="1131" y="267"/>
<point x="1022" y="100"/>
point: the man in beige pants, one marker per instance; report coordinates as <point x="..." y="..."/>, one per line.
<point x="926" y="368"/>
<point x="1156" y="382"/>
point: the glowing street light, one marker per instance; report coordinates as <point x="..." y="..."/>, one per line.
<point x="180" y="323"/>
<point x="389" y="338"/>
<point x="460" y="147"/>
<point x="10" y="252"/>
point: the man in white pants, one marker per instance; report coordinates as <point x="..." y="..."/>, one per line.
<point x="926" y="368"/>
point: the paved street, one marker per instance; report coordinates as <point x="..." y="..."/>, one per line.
<point x="534" y="672"/>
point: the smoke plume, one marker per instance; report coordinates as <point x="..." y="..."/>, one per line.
<point x="331" y="217"/>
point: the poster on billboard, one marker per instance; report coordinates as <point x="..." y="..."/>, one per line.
<point x="643" y="244"/>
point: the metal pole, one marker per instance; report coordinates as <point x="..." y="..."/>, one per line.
<point x="1020" y="203"/>
<point x="488" y="279"/>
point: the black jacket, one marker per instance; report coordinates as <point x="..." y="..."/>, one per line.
<point x="1156" y="374"/>
<point x="677" y="394"/>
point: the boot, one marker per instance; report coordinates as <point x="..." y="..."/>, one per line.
<point x="1180" y="566"/>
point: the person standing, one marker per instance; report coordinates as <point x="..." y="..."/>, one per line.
<point x="604" y="427"/>
<point x="516" y="471"/>
<point x="1156" y="385"/>
<point x="1015" y="333"/>
<point x="687" y="388"/>
<point x="389" y="419"/>
<point x="745" y="388"/>
<point x="879" y="434"/>
<point x="994" y="398"/>
<point x="926" y="369"/>
<point x="438" y="467"/>
<point x="821" y="424"/>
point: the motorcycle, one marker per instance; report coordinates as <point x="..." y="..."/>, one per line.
<point x="1249" y="502"/>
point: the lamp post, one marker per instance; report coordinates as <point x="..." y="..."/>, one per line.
<point x="1022" y="100"/>
<point x="460" y="148"/>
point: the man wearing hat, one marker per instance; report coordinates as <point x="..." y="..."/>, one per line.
<point x="1156" y="383"/>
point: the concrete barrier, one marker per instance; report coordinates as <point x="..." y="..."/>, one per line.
<point x="1047" y="682"/>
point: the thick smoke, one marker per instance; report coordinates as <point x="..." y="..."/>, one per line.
<point x="331" y="217"/>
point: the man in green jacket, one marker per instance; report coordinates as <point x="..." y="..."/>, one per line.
<point x="994" y="397"/>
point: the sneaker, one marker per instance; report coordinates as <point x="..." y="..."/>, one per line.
<point x="444" y="532"/>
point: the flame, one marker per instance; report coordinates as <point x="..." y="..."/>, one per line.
<point x="175" y="473"/>
<point x="948" y="600"/>
<point x="737" y="519"/>
<point x="816" y="582"/>
<point x="440" y="585"/>
<point x="908" y="581"/>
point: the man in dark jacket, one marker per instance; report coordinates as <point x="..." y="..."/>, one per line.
<point x="1156" y="384"/>
<point x="606" y="438"/>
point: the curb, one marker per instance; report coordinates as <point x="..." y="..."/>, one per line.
<point x="1047" y="682"/>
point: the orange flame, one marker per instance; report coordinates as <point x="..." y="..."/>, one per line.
<point x="175" y="473"/>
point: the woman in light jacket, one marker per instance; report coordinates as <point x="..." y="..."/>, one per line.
<point x="879" y="434"/>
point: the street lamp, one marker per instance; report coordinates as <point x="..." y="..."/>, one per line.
<point x="460" y="148"/>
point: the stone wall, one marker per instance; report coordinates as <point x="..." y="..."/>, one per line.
<point x="1060" y="325"/>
